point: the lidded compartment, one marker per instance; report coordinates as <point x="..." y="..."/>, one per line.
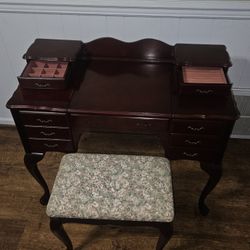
<point x="202" y="69"/>
<point x="49" y="63"/>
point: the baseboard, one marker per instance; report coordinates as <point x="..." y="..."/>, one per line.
<point x="240" y="137"/>
<point x="6" y="121"/>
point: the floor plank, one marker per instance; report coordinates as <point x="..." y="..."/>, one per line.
<point x="25" y="226"/>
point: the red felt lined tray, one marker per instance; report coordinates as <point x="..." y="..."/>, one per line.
<point x="45" y="69"/>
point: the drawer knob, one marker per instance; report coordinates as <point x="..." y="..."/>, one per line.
<point x="47" y="134"/>
<point x="192" y="142"/>
<point x="42" y="85"/>
<point x="190" y="155"/>
<point x="51" y="145"/>
<point x="204" y="92"/>
<point x="44" y="121"/>
<point x="196" y="129"/>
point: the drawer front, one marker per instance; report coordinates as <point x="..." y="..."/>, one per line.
<point x="177" y="153"/>
<point x="47" y="132"/>
<point x="36" y="83"/>
<point x="205" y="89"/>
<point x="51" y="145"/>
<point x="44" y="118"/>
<point x="120" y="124"/>
<point x="198" y="127"/>
<point x="196" y="140"/>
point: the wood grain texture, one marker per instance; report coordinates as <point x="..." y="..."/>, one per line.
<point x="25" y="226"/>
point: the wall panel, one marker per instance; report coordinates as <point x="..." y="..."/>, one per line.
<point x="21" y="24"/>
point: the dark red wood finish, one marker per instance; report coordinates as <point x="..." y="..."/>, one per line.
<point x="129" y="88"/>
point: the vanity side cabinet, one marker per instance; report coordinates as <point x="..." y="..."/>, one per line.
<point x="201" y="70"/>
<point x="44" y="131"/>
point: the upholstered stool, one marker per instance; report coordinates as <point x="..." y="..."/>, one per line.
<point x="112" y="189"/>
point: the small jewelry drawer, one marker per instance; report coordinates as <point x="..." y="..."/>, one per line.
<point x="44" y="75"/>
<point x="120" y="124"/>
<point x="196" y="140"/>
<point x="203" y="81"/>
<point x="44" y="118"/>
<point x="47" y="132"/>
<point x="198" y="127"/>
<point x="40" y="145"/>
<point x="176" y="153"/>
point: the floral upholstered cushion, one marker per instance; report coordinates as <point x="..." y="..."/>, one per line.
<point x="112" y="187"/>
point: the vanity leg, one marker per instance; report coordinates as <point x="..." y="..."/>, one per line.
<point x="31" y="160"/>
<point x="56" y="227"/>
<point x="166" y="232"/>
<point x="214" y="170"/>
<point x="164" y="142"/>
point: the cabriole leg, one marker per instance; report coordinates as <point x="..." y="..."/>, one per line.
<point x="31" y="160"/>
<point x="57" y="229"/>
<point x="166" y="232"/>
<point x="215" y="172"/>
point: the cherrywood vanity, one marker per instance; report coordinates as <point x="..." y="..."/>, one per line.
<point x="180" y="93"/>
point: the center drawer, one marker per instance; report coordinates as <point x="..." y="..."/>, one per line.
<point x="44" y="118"/>
<point x="119" y="124"/>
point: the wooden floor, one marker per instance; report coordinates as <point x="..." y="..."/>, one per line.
<point x="24" y="224"/>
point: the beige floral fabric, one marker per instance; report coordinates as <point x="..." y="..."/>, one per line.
<point x="113" y="187"/>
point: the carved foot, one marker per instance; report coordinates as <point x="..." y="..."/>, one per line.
<point x="31" y="160"/>
<point x="204" y="210"/>
<point x="45" y="198"/>
<point x="215" y="172"/>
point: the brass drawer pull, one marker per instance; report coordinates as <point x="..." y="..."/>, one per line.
<point x="44" y="121"/>
<point x="195" y="129"/>
<point x="142" y="124"/>
<point x="51" y="145"/>
<point x="192" y="142"/>
<point x="190" y="155"/>
<point x="42" y="85"/>
<point x="205" y="92"/>
<point x="47" y="134"/>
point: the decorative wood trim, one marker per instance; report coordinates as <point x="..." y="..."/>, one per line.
<point x="158" y="8"/>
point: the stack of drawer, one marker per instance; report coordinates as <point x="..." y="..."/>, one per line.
<point x="198" y="139"/>
<point x="47" y="131"/>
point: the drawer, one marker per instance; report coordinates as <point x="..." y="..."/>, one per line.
<point x="44" y="75"/>
<point x="120" y="124"/>
<point x="203" y="81"/>
<point x="178" y="153"/>
<point x="198" y="127"/>
<point x="50" y="145"/>
<point x="196" y="140"/>
<point x="48" y="132"/>
<point x="44" y="118"/>
<point x="205" y="90"/>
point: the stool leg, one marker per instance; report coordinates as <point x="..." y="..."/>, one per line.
<point x="166" y="232"/>
<point x="57" y="229"/>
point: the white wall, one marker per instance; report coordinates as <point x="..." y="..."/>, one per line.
<point x="223" y="22"/>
